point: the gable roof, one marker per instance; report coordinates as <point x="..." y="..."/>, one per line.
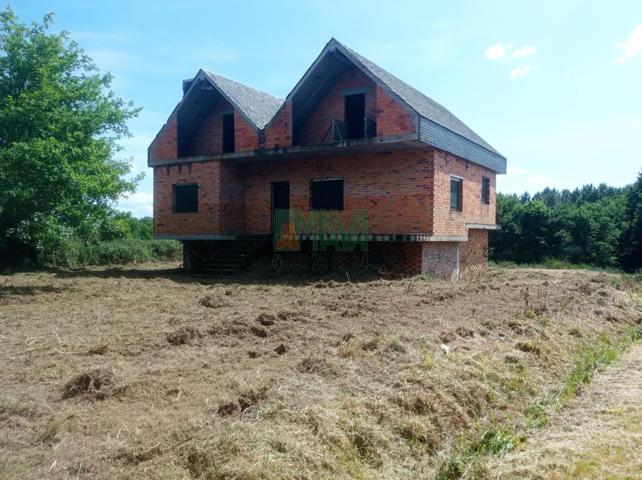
<point x="257" y="106"/>
<point x="437" y="125"/>
<point x="422" y="104"/>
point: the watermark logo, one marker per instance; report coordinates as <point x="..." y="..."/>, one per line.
<point x="326" y="229"/>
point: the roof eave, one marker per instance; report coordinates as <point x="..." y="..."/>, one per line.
<point x="442" y="138"/>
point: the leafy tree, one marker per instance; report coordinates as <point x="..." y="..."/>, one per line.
<point x="589" y="225"/>
<point x="59" y="127"/>
<point x="631" y="241"/>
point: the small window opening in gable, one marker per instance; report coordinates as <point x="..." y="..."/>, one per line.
<point x="326" y="194"/>
<point x="355" y="115"/>
<point x="186" y="198"/>
<point x="228" y="133"/>
<point x="485" y="191"/>
<point x="456" y="194"/>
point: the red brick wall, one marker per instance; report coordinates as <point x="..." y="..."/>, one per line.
<point x="447" y="222"/>
<point x="332" y="107"/>
<point x="397" y="257"/>
<point x="474" y="252"/>
<point x="394" y="188"/>
<point x="208" y="138"/>
<point x="278" y="133"/>
<point x="439" y="259"/>
<point x="164" y="146"/>
<point x="392" y="118"/>
<point x="206" y="220"/>
<point x="232" y="207"/>
<point x="246" y="138"/>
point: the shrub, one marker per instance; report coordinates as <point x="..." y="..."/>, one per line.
<point x="70" y="252"/>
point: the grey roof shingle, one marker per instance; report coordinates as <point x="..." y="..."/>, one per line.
<point x="422" y="104"/>
<point x="259" y="107"/>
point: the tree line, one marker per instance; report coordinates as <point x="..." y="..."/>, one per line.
<point x="599" y="226"/>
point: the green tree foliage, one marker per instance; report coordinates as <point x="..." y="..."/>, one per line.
<point x="631" y="243"/>
<point x="599" y="226"/>
<point x="59" y="127"/>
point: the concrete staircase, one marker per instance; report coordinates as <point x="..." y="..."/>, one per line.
<point x="225" y="258"/>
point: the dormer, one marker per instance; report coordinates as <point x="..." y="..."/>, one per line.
<point x="340" y="100"/>
<point x="216" y="117"/>
<point x="219" y="116"/>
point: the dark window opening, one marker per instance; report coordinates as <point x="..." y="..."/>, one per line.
<point x="228" y="133"/>
<point x="280" y="205"/>
<point x="280" y="195"/>
<point x="185" y="198"/>
<point x="355" y="115"/>
<point x="485" y="191"/>
<point x="456" y="194"/>
<point x="326" y="195"/>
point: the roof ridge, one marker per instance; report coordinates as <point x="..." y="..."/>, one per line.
<point x="257" y="106"/>
<point x="210" y="72"/>
<point x="445" y="118"/>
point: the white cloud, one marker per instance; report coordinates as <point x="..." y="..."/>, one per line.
<point x="523" y="52"/>
<point x="515" y="170"/>
<point x="495" y="52"/>
<point x="519" y="72"/>
<point x="631" y="47"/>
<point x="140" y="204"/>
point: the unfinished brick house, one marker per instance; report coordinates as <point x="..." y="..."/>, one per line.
<point x="350" y="137"/>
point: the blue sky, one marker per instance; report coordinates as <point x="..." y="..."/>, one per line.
<point x="555" y="86"/>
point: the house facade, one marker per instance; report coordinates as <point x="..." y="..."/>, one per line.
<point x="350" y="145"/>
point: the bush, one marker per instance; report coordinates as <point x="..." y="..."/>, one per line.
<point x="133" y="251"/>
<point x="72" y="253"/>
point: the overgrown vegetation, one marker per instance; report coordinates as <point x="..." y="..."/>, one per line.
<point x="125" y="239"/>
<point x="60" y="124"/>
<point x="598" y="226"/>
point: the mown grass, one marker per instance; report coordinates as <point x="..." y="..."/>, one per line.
<point x="467" y="459"/>
<point x="591" y="359"/>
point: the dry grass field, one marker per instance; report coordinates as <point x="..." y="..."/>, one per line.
<point x="143" y="372"/>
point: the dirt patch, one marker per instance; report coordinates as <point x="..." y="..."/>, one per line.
<point x="97" y="383"/>
<point x="292" y="316"/>
<point x="247" y="399"/>
<point x="98" y="350"/>
<point x="183" y="335"/>
<point x="212" y="300"/>
<point x="266" y="319"/>
<point x="316" y="366"/>
<point x="258" y="331"/>
<point x="529" y="346"/>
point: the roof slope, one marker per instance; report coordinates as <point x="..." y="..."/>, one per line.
<point x="259" y="107"/>
<point x="422" y="104"/>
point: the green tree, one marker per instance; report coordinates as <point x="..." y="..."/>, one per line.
<point x="59" y="127"/>
<point x="581" y="226"/>
<point x="631" y="241"/>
